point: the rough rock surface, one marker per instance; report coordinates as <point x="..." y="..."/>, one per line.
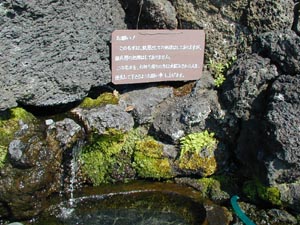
<point x="15" y="150"/>
<point x="219" y="19"/>
<point x="54" y="52"/>
<point x="282" y="47"/>
<point x="267" y="15"/>
<point x="68" y="136"/>
<point x="282" y="124"/>
<point x="157" y="14"/>
<point x="144" y="102"/>
<point x="105" y="117"/>
<point x="150" y="14"/>
<point x="267" y="216"/>
<point x="65" y="132"/>
<point x="296" y="25"/>
<point x="290" y="195"/>
<point x="182" y="115"/>
<point x="266" y="106"/>
<point x="245" y="87"/>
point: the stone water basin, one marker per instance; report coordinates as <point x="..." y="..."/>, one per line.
<point x="130" y="204"/>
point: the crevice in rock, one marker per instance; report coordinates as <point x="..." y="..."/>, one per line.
<point x="295" y="26"/>
<point x="131" y="8"/>
<point x="41" y="111"/>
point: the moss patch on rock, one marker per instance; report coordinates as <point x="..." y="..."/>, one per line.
<point x="197" y="153"/>
<point x="211" y="188"/>
<point x="255" y="191"/>
<point x="98" y="157"/>
<point x="149" y="160"/>
<point x="10" y="122"/>
<point x="3" y="153"/>
<point x="103" y="99"/>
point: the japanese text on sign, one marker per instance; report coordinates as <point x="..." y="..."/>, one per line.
<point x="140" y="56"/>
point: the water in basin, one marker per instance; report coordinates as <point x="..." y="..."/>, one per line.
<point x="134" y="204"/>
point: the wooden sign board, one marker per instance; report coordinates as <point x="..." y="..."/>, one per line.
<point x="142" y="56"/>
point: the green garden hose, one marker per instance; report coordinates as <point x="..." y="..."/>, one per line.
<point x="239" y="212"/>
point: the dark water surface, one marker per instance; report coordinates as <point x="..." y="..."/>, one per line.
<point x="138" y="203"/>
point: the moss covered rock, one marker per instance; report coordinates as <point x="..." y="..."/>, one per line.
<point x="119" y="156"/>
<point x="12" y="121"/>
<point x="97" y="158"/>
<point x="149" y="160"/>
<point x="211" y="188"/>
<point x="256" y="191"/>
<point x="3" y="153"/>
<point x="103" y="99"/>
<point x="33" y="169"/>
<point x="197" y="153"/>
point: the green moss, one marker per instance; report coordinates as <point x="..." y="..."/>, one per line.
<point x="206" y="165"/>
<point x="116" y="153"/>
<point x="109" y="157"/>
<point x="206" y="184"/>
<point x="3" y="153"/>
<point x="103" y="99"/>
<point x="100" y="155"/>
<point x="95" y="166"/>
<point x="9" y="125"/>
<point x="212" y="188"/>
<point x="270" y="194"/>
<point x="150" y="148"/>
<point x="149" y="160"/>
<point x="255" y="190"/>
<point x="197" y="153"/>
<point x="133" y="137"/>
<point x="250" y="190"/>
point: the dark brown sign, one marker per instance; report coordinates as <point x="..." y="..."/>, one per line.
<point x="140" y="56"/>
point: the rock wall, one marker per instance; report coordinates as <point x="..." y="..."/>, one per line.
<point x="266" y="107"/>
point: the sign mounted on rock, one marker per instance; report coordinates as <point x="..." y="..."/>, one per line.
<point x="142" y="56"/>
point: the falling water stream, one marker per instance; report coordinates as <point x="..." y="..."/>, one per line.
<point x="74" y="168"/>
